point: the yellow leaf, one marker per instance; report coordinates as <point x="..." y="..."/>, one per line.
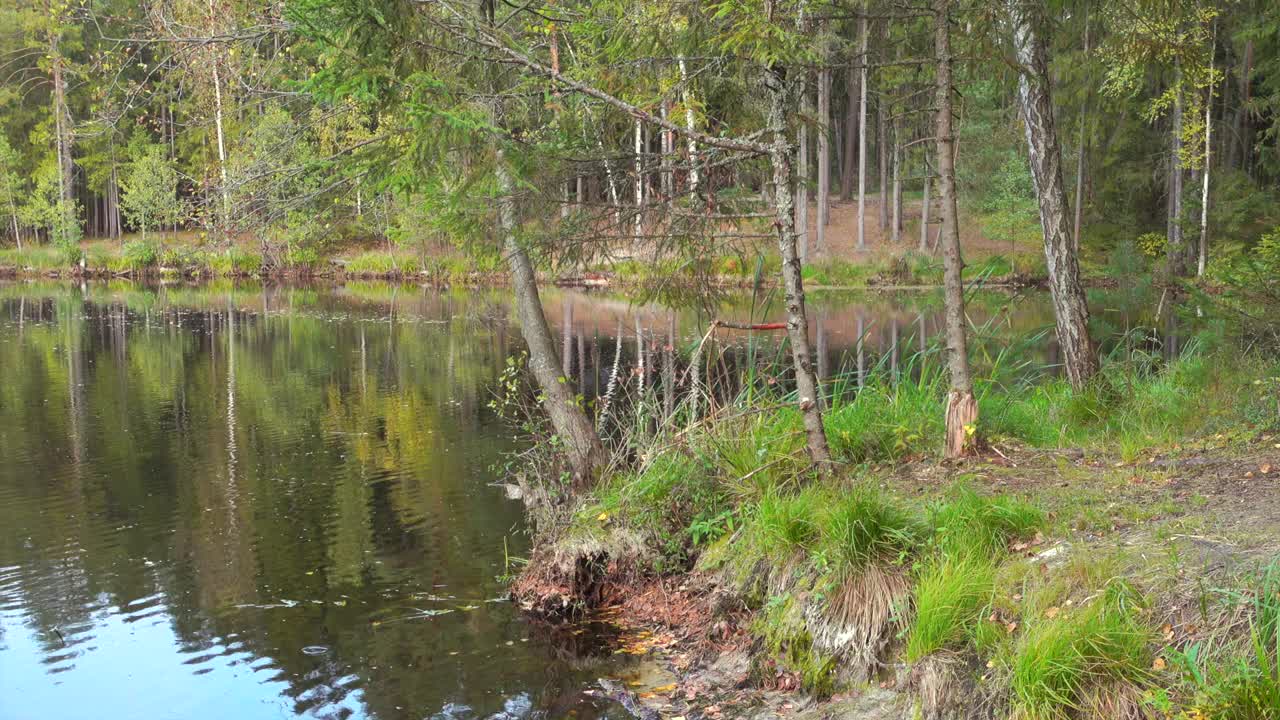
<point x="603" y="517"/>
<point x="1159" y="664"/>
<point x="1052" y="612"/>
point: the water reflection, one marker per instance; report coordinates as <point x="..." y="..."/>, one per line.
<point x="264" y="502"/>
<point x="263" y="505"/>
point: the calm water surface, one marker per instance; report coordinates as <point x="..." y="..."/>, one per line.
<point x="248" y="502"/>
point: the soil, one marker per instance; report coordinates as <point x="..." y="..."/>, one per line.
<point x="1217" y="501"/>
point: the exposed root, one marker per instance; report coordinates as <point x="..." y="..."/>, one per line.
<point x="945" y="688"/>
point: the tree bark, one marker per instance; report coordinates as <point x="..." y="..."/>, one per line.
<point x="896" y="220"/>
<point x="851" y="125"/>
<point x="1084" y="115"/>
<point x="1176" y="252"/>
<point x="582" y="445"/>
<point x="862" y="133"/>
<point x="823" y="128"/>
<point x="1036" y="104"/>
<point x="882" y="151"/>
<point x="1202" y="257"/>
<point x="924" y="214"/>
<point x="639" y="169"/>
<point x="793" y="284"/>
<point x="687" y="97"/>
<point x="962" y="408"/>
<point x="802" y="172"/>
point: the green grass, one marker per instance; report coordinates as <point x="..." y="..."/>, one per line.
<point x="950" y="595"/>
<point x="1059" y="660"/>
<point x="380" y="262"/>
<point x="884" y="420"/>
<point x="864" y="526"/>
<point x="1134" y="405"/>
<point x="969" y="524"/>
<point x="1244" y="682"/>
<point x="41" y="258"/>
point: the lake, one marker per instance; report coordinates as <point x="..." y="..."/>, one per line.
<point x="253" y="501"/>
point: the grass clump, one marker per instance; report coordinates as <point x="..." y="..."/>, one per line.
<point x="379" y="262"/>
<point x="967" y="523"/>
<point x="951" y="594"/>
<point x="863" y="527"/>
<point x="1058" y="662"/>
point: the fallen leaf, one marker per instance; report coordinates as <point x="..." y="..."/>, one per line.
<point x="1167" y="631"/>
<point x="1010" y="627"/>
<point x="1052" y="612"/>
<point x="1159" y="664"/>
<point x="1266" y="469"/>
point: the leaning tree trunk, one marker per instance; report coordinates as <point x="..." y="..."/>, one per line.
<point x="559" y="398"/>
<point x="962" y="408"/>
<point x="793" y="284"/>
<point x="1036" y="104"/>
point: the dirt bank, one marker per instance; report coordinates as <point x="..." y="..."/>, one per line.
<point x="1184" y="527"/>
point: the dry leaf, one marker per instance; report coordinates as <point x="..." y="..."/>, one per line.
<point x="1052" y="612"/>
<point x="1167" y="631"/>
<point x="1010" y="627"/>
<point x="1266" y="468"/>
<point x="1159" y="664"/>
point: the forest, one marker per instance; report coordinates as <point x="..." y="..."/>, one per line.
<point x="957" y="528"/>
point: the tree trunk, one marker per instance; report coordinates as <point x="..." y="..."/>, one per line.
<point x="1240" y="149"/>
<point x="1036" y="104"/>
<point x="793" y="284"/>
<point x="823" y="128"/>
<point x="1084" y="114"/>
<point x="862" y="133"/>
<point x="851" y="125"/>
<point x="1176" y="252"/>
<point x="962" y="408"/>
<point x="559" y="398"/>
<point x="687" y="96"/>
<point x="222" y="147"/>
<point x="62" y="120"/>
<point x="802" y="171"/>
<point x="1202" y="257"/>
<point x="639" y="169"/>
<point x="924" y="214"/>
<point x="882" y="151"/>
<point x="896" y="220"/>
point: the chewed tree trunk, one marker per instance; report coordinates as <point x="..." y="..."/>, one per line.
<point x="793" y="285"/>
<point x="1035" y="102"/>
<point x="559" y="398"/>
<point x="962" y="408"/>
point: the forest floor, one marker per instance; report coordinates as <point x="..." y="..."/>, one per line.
<point x="1189" y="527"/>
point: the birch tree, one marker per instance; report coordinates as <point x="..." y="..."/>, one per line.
<point x="1035" y="103"/>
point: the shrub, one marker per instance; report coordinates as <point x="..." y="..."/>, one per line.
<point x="139" y="254"/>
<point x="1152" y="244"/>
